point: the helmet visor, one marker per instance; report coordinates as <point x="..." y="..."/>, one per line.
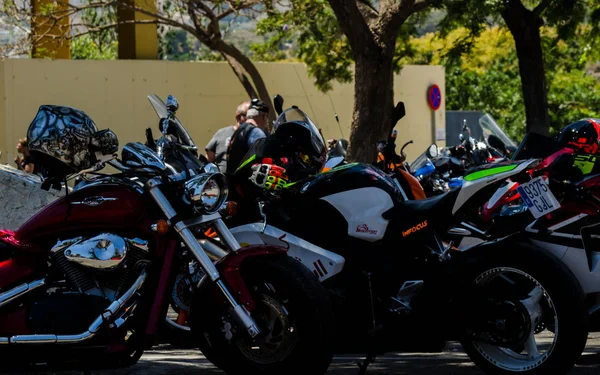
<point x="296" y="115"/>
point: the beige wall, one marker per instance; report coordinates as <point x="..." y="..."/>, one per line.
<point x="114" y="94"/>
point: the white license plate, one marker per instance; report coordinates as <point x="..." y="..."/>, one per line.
<point x="538" y="197"/>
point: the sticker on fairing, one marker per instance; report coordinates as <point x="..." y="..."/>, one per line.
<point x="489" y="172"/>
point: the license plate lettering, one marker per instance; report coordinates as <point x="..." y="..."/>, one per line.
<point x="538" y="197"/>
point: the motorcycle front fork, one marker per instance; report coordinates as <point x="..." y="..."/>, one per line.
<point x="241" y="315"/>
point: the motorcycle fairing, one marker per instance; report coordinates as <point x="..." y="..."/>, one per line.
<point x="480" y="179"/>
<point x="323" y="263"/>
<point x="363" y="210"/>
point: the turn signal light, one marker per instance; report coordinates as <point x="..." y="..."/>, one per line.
<point x="161" y="227"/>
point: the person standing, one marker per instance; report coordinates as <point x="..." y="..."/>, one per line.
<point x="25" y="163"/>
<point x="216" y="149"/>
<point x="255" y="128"/>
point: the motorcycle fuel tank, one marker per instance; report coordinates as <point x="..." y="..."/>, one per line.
<point x="360" y="193"/>
<point x="106" y="205"/>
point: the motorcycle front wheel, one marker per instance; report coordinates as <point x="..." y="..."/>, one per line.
<point x="293" y="312"/>
<point x="527" y="315"/>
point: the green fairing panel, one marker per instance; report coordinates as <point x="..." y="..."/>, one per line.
<point x="489" y="172"/>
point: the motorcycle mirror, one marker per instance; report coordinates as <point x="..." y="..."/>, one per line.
<point x="399" y="113"/>
<point x="432" y="151"/>
<point x="211" y="168"/>
<point x="278" y="104"/>
<point x="172" y="104"/>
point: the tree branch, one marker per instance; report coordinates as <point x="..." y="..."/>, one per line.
<point x="214" y="22"/>
<point x="541" y="7"/>
<point x="234" y="9"/>
<point x="353" y="24"/>
<point x="200" y="32"/>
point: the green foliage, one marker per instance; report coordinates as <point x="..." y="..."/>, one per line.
<point x="179" y="45"/>
<point x="102" y="44"/>
<point x="86" y="48"/>
<point x="308" y="31"/>
<point x="487" y="79"/>
<point x="312" y="27"/>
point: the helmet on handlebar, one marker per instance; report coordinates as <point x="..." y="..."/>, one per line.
<point x="65" y="140"/>
<point x="582" y="135"/>
<point x="296" y="132"/>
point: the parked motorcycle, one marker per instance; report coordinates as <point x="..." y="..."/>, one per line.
<point x="88" y="278"/>
<point x="398" y="275"/>
<point x="445" y="170"/>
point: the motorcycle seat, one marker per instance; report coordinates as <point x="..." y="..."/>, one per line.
<point x="438" y="208"/>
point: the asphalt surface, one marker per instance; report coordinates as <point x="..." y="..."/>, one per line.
<point x="165" y="359"/>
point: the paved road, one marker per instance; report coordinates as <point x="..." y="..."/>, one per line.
<point x="165" y="360"/>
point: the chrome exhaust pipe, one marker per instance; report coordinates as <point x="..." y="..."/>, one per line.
<point x="16" y="292"/>
<point x="107" y="316"/>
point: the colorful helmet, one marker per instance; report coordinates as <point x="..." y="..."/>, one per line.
<point x="582" y="135"/>
<point x="65" y="140"/>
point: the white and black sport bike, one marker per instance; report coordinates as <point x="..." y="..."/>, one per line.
<point x="397" y="286"/>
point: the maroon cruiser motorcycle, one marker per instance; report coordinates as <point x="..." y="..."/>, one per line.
<point x="86" y="282"/>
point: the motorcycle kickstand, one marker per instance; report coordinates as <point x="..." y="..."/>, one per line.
<point x="362" y="366"/>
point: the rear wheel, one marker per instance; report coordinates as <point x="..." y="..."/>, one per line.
<point x="528" y="316"/>
<point x="293" y="312"/>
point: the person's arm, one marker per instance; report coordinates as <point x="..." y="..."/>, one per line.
<point x="211" y="149"/>
<point x="18" y="162"/>
<point x="255" y="135"/>
<point x="29" y="167"/>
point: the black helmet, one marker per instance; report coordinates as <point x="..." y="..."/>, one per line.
<point x="582" y="135"/>
<point x="296" y="132"/>
<point x="65" y="140"/>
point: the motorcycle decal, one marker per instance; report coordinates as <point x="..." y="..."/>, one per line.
<point x="320" y="269"/>
<point x="245" y="163"/>
<point x="340" y="167"/>
<point x="329" y="263"/>
<point x="480" y="179"/>
<point x="364" y="228"/>
<point x="364" y="206"/>
<point x="94" y="201"/>
<point x="489" y="172"/>
<point x="414" y="229"/>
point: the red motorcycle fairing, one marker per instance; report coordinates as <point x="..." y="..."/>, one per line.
<point x="107" y="206"/>
<point x="230" y="269"/>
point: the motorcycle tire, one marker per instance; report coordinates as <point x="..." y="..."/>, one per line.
<point x="305" y="318"/>
<point x="571" y="316"/>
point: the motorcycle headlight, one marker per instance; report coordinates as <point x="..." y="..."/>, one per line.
<point x="206" y="192"/>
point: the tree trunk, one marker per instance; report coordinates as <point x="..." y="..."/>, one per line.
<point x="250" y="68"/>
<point x="524" y="26"/>
<point x="373" y="104"/>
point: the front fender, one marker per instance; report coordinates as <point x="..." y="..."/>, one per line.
<point x="230" y="269"/>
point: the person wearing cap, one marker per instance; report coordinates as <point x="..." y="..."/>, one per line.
<point x="249" y="132"/>
<point x="216" y="149"/>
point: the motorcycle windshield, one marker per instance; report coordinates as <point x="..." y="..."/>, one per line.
<point x="161" y="111"/>
<point x="419" y="162"/>
<point x="490" y="127"/>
